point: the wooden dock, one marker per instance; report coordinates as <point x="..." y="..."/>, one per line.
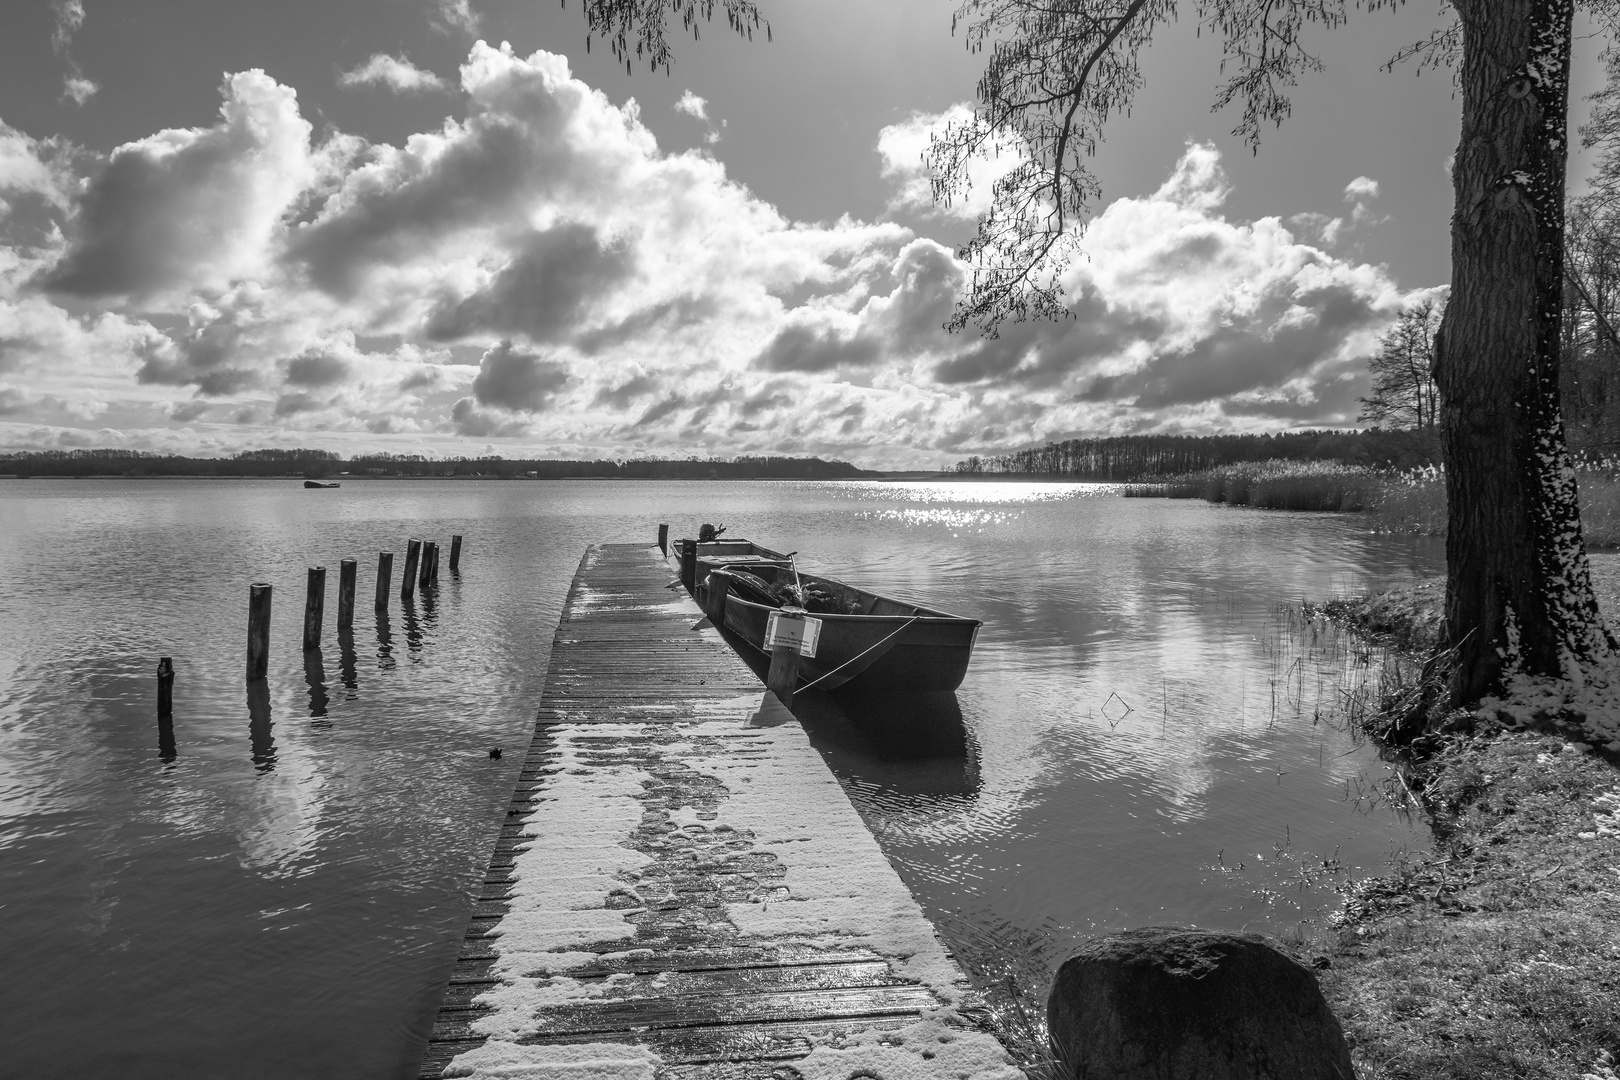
<point x="681" y="889"/>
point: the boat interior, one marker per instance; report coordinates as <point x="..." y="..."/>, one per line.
<point x="850" y="600"/>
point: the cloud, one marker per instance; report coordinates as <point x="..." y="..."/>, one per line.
<point x="458" y="15"/>
<point x="536" y="269"/>
<point x="468" y="420"/>
<point x="192" y="207"/>
<point x="903" y="148"/>
<point x="552" y="279"/>
<point x="693" y="106"/>
<point x="395" y="72"/>
<point x="1361" y="189"/>
<point x="317" y="369"/>
<point x="517" y="381"/>
<point x="32" y="167"/>
<point x="69" y="16"/>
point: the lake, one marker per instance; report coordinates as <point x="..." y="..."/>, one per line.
<point x="1144" y="737"/>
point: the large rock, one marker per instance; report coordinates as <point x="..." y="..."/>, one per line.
<point x="1162" y="1003"/>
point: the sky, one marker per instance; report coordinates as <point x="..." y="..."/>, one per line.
<point x="445" y="227"/>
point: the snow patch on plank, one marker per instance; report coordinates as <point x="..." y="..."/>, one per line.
<point x="580" y="1061"/>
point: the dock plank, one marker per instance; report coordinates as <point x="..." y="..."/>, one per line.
<point x="678" y="875"/>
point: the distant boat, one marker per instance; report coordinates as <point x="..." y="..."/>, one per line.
<point x="318" y="484"/>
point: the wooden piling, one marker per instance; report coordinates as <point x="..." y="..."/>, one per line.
<point x="455" y="553"/>
<point x="258" y="648"/>
<point x="385" y="571"/>
<point x="663" y="540"/>
<point x="433" y="566"/>
<point x="413" y="552"/>
<point x="783" y="678"/>
<point x="314" y="606"/>
<point x="689" y="564"/>
<point x="346" y="580"/>
<point x="165" y="676"/>
<point x="425" y="578"/>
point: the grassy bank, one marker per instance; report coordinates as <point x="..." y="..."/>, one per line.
<point x="1497" y="954"/>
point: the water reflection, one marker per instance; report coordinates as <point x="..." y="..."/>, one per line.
<point x="314" y="877"/>
<point x="906" y="747"/>
<point x="166" y="745"/>
<point x="903" y="748"/>
<point x="315" y="677"/>
<point x="259" y="726"/>
<point x="414" y="633"/>
<point x="385" y="641"/>
<point x="347" y="662"/>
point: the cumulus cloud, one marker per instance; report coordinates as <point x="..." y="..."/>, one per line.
<point x="553" y="277"/>
<point x="537" y="269"/>
<point x="903" y="146"/>
<point x="192" y="207"/>
<point x="518" y="381"/>
<point x="1361" y="189"/>
<point x="395" y="72"/>
<point x="693" y="106"/>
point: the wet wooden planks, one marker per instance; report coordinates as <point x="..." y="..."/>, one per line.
<point x="641" y="693"/>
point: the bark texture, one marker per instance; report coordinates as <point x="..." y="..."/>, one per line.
<point x="1518" y="586"/>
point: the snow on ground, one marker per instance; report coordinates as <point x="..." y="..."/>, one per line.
<point x="838" y="892"/>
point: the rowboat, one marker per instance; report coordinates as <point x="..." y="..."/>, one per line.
<point x="698" y="557"/>
<point x="869" y="641"/>
<point x="318" y="484"/>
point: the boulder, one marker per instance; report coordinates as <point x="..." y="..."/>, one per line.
<point x="1162" y="1003"/>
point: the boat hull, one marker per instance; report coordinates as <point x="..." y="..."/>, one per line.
<point x="919" y="652"/>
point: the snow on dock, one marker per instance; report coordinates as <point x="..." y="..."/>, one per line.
<point x="682" y="890"/>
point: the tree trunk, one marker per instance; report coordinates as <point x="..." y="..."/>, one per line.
<point x="1518" y="588"/>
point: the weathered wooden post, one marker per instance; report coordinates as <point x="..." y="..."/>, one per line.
<point x="784" y="631"/>
<point x="346" y="577"/>
<point x="314" y="606"/>
<point x="258" y="650"/>
<point x="663" y="539"/>
<point x="165" y="675"/>
<point x="433" y="566"/>
<point x="425" y="579"/>
<point x="385" y="571"/>
<point x="455" y="553"/>
<point x="413" y="552"/>
<point x="689" y="564"/>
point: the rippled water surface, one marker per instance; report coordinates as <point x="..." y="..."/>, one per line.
<point x="279" y="892"/>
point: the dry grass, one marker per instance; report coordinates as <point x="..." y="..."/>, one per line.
<point x="1498" y="955"/>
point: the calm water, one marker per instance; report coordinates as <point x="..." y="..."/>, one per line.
<point x="1139" y="740"/>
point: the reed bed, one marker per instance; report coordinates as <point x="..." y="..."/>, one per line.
<point x="1272" y="485"/>
<point x="1396" y="501"/>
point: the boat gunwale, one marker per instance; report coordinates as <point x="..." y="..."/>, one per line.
<point x="936" y="616"/>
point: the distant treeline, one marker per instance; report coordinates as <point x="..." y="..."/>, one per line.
<point x="1139" y="457"/>
<point x="315" y="464"/>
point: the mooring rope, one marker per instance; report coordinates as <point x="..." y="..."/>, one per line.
<point x="860" y="654"/>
